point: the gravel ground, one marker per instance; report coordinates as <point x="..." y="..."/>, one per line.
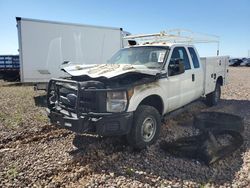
<point x="34" y="153"/>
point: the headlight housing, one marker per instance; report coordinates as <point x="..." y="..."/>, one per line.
<point x="116" y="101"/>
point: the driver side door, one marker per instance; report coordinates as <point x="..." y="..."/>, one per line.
<point x="180" y="85"/>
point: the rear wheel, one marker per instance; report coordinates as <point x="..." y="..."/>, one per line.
<point x="214" y="97"/>
<point x="146" y="127"/>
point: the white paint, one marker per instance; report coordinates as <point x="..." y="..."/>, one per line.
<point x="107" y="70"/>
<point x="174" y="91"/>
<point x="44" y="45"/>
<point x="179" y="90"/>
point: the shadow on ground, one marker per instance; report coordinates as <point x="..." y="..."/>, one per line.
<point x="15" y="84"/>
<point x="112" y="155"/>
<point x="41" y="100"/>
<point x="12" y="76"/>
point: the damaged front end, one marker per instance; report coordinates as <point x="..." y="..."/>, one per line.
<point x="96" y="96"/>
<point x="88" y="105"/>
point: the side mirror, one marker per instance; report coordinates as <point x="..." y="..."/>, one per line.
<point x="181" y="66"/>
<point x="175" y="67"/>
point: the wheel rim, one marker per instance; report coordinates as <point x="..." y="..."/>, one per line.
<point x="148" y="129"/>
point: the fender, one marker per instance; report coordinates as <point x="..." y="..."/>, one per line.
<point x="143" y="91"/>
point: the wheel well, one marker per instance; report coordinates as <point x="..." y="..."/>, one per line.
<point x="220" y="80"/>
<point x="154" y="101"/>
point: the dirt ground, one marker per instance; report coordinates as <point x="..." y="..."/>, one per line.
<point x="34" y="153"/>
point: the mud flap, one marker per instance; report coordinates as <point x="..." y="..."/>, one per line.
<point x="208" y="146"/>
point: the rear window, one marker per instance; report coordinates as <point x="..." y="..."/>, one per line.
<point x="194" y="57"/>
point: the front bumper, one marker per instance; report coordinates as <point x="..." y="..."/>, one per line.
<point x="106" y="125"/>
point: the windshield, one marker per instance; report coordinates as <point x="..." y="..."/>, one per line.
<point x="150" y="56"/>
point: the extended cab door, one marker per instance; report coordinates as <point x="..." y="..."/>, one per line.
<point x="197" y="72"/>
<point x="181" y="86"/>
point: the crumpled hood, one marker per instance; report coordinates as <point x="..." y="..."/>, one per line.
<point x="107" y="70"/>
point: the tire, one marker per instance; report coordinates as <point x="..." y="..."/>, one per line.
<point x="146" y="127"/>
<point x="213" y="98"/>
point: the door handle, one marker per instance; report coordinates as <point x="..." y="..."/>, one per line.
<point x="193" y="77"/>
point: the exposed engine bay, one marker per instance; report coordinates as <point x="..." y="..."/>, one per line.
<point x="122" y="81"/>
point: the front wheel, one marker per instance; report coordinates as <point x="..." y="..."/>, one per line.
<point x="214" y="97"/>
<point x="146" y="127"/>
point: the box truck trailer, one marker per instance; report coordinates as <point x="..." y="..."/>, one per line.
<point x="44" y="46"/>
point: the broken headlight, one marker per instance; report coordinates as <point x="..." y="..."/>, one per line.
<point x="116" y="101"/>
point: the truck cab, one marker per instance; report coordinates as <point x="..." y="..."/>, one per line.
<point x="134" y="90"/>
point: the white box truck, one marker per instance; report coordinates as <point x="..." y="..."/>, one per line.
<point x="45" y="45"/>
<point x="132" y="92"/>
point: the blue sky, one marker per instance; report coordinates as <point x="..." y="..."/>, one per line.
<point x="230" y="19"/>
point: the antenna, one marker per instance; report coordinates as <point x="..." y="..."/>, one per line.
<point x="176" y="36"/>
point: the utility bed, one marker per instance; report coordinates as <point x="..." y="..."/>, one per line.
<point x="214" y="67"/>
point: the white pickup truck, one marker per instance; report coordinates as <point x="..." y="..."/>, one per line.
<point x="135" y="89"/>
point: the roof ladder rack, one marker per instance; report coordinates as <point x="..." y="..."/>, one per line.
<point x="176" y="36"/>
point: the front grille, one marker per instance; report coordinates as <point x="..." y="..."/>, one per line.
<point x="73" y="97"/>
<point x="88" y="101"/>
